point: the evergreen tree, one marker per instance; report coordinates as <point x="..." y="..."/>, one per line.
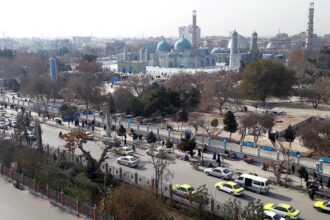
<point x="230" y="123"/>
<point x="151" y="137"/>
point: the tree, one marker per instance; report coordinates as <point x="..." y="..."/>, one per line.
<point x="75" y="140"/>
<point x="259" y="123"/>
<point x="12" y="84"/>
<point x="23" y="126"/>
<point x="201" y="198"/>
<point x="232" y="209"/>
<point x="253" y="211"/>
<point x="230" y="124"/>
<point x="130" y="203"/>
<point x="211" y="128"/>
<point x="302" y="172"/>
<point x="151" y="138"/>
<point x="196" y="123"/>
<point x="316" y="136"/>
<point x="188" y="143"/>
<point x="266" y="78"/>
<point x="123" y="104"/>
<point x="181" y="117"/>
<point x="137" y="83"/>
<point x="289" y="135"/>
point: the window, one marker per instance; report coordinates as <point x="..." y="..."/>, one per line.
<point x="240" y="178"/>
<point x="256" y="183"/>
<point x="237" y="186"/>
<point x="226" y="171"/>
<point x="291" y="209"/>
<point x="280" y="209"/>
<point x="227" y="186"/>
<point x="124" y="159"/>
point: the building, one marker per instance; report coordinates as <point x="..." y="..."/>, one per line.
<point x="53" y="68"/>
<point x="81" y="41"/>
<point x="130" y="62"/>
<point x="238" y="51"/>
<point x="191" y="32"/>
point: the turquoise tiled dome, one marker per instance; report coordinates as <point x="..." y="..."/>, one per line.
<point x="182" y="44"/>
<point x="163" y="46"/>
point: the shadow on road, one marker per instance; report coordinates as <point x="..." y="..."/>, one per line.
<point x="247" y="197"/>
<point x="279" y="197"/>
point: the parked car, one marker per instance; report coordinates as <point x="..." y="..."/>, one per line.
<point x="283" y="210"/>
<point x="90" y="136"/>
<point x="220" y="172"/>
<point x="269" y="215"/>
<point x="230" y="187"/>
<point x="124" y="151"/>
<point x="254" y="183"/>
<point x="183" y="190"/>
<point x="58" y="120"/>
<point x="322" y="206"/>
<point x="129" y="161"/>
<point x="3" y="125"/>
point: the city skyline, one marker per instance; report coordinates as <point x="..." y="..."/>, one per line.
<point x="101" y="18"/>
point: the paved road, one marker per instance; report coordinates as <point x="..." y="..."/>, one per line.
<point x="22" y="205"/>
<point x="308" y="162"/>
<point x="183" y="173"/>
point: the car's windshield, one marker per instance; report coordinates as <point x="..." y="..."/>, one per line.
<point x="190" y="189"/>
<point x="237" y="186"/>
<point x="291" y="209"/>
<point x="226" y="171"/>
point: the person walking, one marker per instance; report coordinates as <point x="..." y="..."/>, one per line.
<point x="125" y="142"/>
<point x="312" y="193"/>
<point x="321" y="182"/>
<point x="133" y="147"/>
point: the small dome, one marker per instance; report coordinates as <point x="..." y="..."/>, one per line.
<point x="182" y="44"/>
<point x="163" y="46"/>
<point x="243" y="44"/>
<point x="271" y="46"/>
<point x="219" y="50"/>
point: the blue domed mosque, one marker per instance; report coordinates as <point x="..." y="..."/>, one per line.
<point x="183" y="54"/>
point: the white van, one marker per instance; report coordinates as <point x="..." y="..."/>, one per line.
<point x="254" y="183"/>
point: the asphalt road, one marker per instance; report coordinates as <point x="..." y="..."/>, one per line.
<point x="184" y="173"/>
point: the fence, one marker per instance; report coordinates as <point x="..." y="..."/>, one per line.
<point x="56" y="197"/>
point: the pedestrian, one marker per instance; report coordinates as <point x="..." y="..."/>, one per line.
<point x="104" y="127"/>
<point x="163" y="143"/>
<point x="321" y="181"/>
<point x="328" y="185"/>
<point x="125" y="142"/>
<point x="93" y="128"/>
<point x="214" y="156"/>
<point x="312" y="193"/>
<point x="199" y="152"/>
<point x="314" y="175"/>
<point x="133" y="147"/>
<point x="293" y="169"/>
<point x="306" y="177"/>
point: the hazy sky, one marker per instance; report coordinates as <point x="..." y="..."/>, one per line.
<point x="135" y="18"/>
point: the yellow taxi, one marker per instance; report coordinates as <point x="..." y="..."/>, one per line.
<point x="183" y="190"/>
<point x="230" y="187"/>
<point x="283" y="210"/>
<point x="322" y="206"/>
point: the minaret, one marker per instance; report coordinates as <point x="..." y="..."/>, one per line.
<point x="194" y="30"/>
<point x="235" y="59"/>
<point x="254" y="50"/>
<point x="310" y="27"/>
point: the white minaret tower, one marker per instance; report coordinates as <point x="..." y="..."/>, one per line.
<point x="194" y="30"/>
<point x="235" y="58"/>
<point x="310" y="27"/>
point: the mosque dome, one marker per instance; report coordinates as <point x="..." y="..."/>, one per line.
<point x="219" y="50"/>
<point x="163" y="46"/>
<point x="243" y="44"/>
<point x="182" y="44"/>
<point x="271" y="46"/>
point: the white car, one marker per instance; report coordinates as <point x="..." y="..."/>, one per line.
<point x="156" y="152"/>
<point x="220" y="172"/>
<point x="124" y="151"/>
<point x="3" y="125"/>
<point x="269" y="215"/>
<point x="90" y="136"/>
<point x="129" y="161"/>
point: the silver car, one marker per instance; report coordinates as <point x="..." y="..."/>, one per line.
<point x="129" y="161"/>
<point x="220" y="172"/>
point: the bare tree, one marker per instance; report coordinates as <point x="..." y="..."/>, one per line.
<point x="211" y="128"/>
<point x="258" y="124"/>
<point x="180" y="82"/>
<point x="137" y="83"/>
